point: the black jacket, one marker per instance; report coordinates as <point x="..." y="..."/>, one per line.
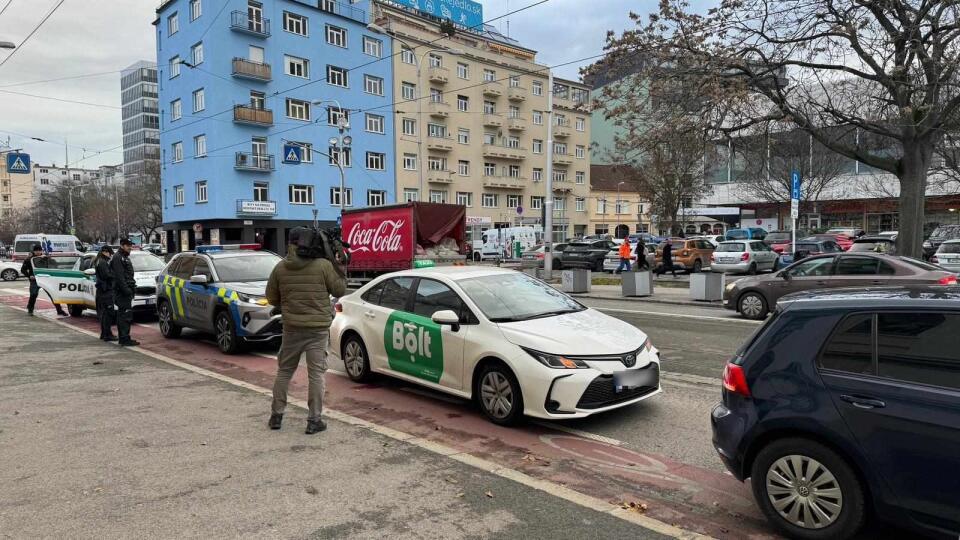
<point x="27" y="268"/>
<point x="122" y="269"/>
<point x="104" y="276"/>
<point x="668" y="253"/>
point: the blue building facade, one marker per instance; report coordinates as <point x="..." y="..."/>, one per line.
<point x="239" y="83"/>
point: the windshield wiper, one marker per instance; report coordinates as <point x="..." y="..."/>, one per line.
<point x="534" y="316"/>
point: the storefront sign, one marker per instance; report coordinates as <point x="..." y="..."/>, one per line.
<point x="478" y="220"/>
<point x="257" y="208"/>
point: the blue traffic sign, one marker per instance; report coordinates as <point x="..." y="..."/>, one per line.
<point x="18" y="163"/>
<point x="795" y="185"/>
<point x="292" y="154"/>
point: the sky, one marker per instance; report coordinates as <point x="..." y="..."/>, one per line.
<point x="98" y="38"/>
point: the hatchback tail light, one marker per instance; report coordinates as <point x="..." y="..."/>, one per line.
<point x="734" y="380"/>
<point x="745" y="257"/>
<point x="948" y="280"/>
<point x="934" y="259"/>
<point x="713" y="258"/>
<point x="338" y="307"/>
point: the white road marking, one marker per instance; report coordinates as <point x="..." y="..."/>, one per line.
<point x="678" y="315"/>
<point x="578" y="433"/>
<point x="551" y="488"/>
<point x="274" y="357"/>
<point x="18" y="292"/>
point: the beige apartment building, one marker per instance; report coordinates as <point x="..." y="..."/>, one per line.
<point x="471" y="126"/>
<point x="616" y="207"/>
<point x="16" y="190"/>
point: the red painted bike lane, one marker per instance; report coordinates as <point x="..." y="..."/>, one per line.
<point x="690" y="497"/>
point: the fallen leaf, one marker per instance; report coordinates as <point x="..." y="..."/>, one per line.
<point x="203" y="444"/>
<point x="635" y="506"/>
<point x="312" y="490"/>
<point x="460" y="495"/>
<point x="97" y="363"/>
<point x="451" y="479"/>
<point x="488" y="494"/>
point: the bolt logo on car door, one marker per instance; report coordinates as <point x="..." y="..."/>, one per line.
<point x="414" y="346"/>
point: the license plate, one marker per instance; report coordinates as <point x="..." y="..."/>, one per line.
<point x="627" y="380"/>
<point x="727" y="260"/>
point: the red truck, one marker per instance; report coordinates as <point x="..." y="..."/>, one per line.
<point x="404" y="236"/>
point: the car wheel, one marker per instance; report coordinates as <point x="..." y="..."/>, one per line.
<point x="9" y="274"/>
<point x="227" y="340"/>
<point x="355" y="359"/>
<point x="499" y="395"/>
<point x="753" y="306"/>
<point x="168" y="328"/>
<point x="598" y="267"/>
<point x="808" y="491"/>
<point x="476" y="256"/>
<point x="76" y="310"/>
<point x="697" y="266"/>
<point x="752" y="271"/>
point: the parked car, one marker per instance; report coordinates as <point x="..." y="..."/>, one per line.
<point x="612" y="261"/>
<point x="845" y="407"/>
<point x="714" y="239"/>
<point x="689" y="254"/>
<point x="746" y="257"/>
<point x="940" y="235"/>
<point x="537" y="254"/>
<point x="948" y="256"/>
<point x="589" y="255"/>
<point x="157" y="249"/>
<point x="752" y="233"/>
<point x="807" y="248"/>
<point x="875" y="244"/>
<point x="842" y="240"/>
<point x="889" y="234"/>
<point x="778" y="237"/>
<point x="754" y="297"/>
<point x="852" y="232"/>
<point x="647" y="238"/>
<point x="9" y="270"/>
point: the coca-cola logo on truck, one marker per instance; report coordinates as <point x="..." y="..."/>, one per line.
<point x="385" y="237"/>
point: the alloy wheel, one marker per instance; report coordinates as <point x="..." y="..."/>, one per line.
<point x="751" y="306"/>
<point x="224" y="336"/>
<point x="804" y="492"/>
<point x="496" y="394"/>
<point x="9" y="275"/>
<point x="164" y="318"/>
<point x="353" y="359"/>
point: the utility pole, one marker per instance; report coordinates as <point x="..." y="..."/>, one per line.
<point x="548" y="200"/>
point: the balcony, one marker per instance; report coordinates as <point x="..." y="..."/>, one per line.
<point x="341" y="8"/>
<point x="516" y="93"/>
<point x="561" y="129"/>
<point x="438" y="109"/>
<point x="439" y="177"/>
<point x="504" y="152"/>
<point x="563" y="159"/>
<point x="245" y="114"/>
<point x="504" y="182"/>
<point x="438" y="74"/>
<point x="247" y="207"/>
<point x="492" y="120"/>
<point x="246" y="161"/>
<point x="516" y="124"/>
<point x="240" y="21"/>
<point x="245" y="69"/>
<point x="441" y="144"/>
<point x="492" y="89"/>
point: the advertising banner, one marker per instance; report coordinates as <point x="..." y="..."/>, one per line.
<point x="379" y="239"/>
<point x="462" y="12"/>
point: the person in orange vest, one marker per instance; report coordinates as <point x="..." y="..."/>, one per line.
<point x="625" y="256"/>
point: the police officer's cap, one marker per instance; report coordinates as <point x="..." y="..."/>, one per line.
<point x="37" y="247"/>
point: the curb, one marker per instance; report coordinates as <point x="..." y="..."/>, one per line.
<point x="651" y="300"/>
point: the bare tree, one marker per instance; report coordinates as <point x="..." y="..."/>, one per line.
<point x="885" y="69"/>
<point x="142" y="205"/>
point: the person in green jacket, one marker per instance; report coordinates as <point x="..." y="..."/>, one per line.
<point x="302" y="287"/>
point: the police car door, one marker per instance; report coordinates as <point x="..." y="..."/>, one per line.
<point x="198" y="299"/>
<point x="64" y="285"/>
<point x="89" y="294"/>
<point x="178" y="284"/>
<point x="443" y="344"/>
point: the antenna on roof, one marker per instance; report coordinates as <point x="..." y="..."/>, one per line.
<point x="508" y="18"/>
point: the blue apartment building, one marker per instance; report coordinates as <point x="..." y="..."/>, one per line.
<point x="241" y="82"/>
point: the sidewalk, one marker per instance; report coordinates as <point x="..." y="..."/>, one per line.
<point x="105" y="442"/>
<point x="661" y="295"/>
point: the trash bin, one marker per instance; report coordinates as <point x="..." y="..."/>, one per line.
<point x="706" y="286"/>
<point x="575" y="281"/>
<point x="637" y="283"/>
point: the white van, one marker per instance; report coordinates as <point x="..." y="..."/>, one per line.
<point x="60" y="245"/>
<point x="499" y="243"/>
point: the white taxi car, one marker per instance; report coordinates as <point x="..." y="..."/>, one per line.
<point x="512" y="343"/>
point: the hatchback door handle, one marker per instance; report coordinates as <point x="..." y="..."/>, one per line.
<point x="862" y="402"/>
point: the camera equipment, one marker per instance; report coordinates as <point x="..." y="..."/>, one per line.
<point x="317" y="243"/>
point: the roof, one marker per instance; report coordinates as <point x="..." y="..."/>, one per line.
<point x="916" y="297"/>
<point x="608" y="177"/>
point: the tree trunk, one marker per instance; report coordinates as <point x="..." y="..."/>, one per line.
<point x="913" y="191"/>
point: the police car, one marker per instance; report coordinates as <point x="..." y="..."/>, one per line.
<point x="511" y="342"/>
<point x="220" y="290"/>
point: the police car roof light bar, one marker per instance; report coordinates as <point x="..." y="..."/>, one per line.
<point x="228" y="247"/>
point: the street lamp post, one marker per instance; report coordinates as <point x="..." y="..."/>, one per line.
<point x="340" y="144"/>
<point x="73" y="229"/>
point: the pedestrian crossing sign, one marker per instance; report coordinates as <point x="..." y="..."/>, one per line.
<point x="292" y="154"/>
<point x="18" y="163"/>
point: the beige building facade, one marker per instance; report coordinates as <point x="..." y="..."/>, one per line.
<point x="616" y="207"/>
<point x="471" y="126"/>
<point x="16" y="191"/>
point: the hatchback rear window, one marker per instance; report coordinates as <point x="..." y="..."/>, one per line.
<point x="733" y="247"/>
<point x="949" y="248"/>
<point x="919" y="348"/>
<point x="946" y="232"/>
<point x="850" y="348"/>
<point x="737" y="235"/>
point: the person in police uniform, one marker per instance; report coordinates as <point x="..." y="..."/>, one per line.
<point x="105" y="310"/>
<point x="37" y="259"/>
<point x="124" y="289"/>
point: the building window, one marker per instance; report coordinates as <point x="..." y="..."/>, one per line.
<point x="376" y="161"/>
<point x="297" y="67"/>
<point x="581" y="124"/>
<point x="537" y="146"/>
<point x="489" y="138"/>
<point x="176" y="110"/>
<point x="202" y="191"/>
<point x="536" y="203"/>
<point x="436" y="96"/>
<point x="337" y="76"/>
<point x="372" y="47"/>
<point x="580" y="177"/>
<point x="336" y="116"/>
<point x="195" y="10"/>
<point x="489" y="75"/>
<point x="175" y="67"/>
<point x="178" y="196"/>
<point x="463" y="136"/>
<point x="330" y="6"/>
<point x="258" y="100"/>
<point x="374" y="123"/>
<point x="463" y="103"/>
<point x="301" y="194"/>
<point x="376" y="197"/>
<point x="538" y="118"/>
<point x="490" y="200"/>
<point x="537" y="174"/>
<point x="173" y="26"/>
<point x="306" y="151"/>
<point x="199" y="100"/>
<point x="295" y="24"/>
<point x="489" y="169"/>
<point x="373" y="85"/>
<point x="196" y="54"/>
<point x="463" y="71"/>
<point x="465" y="198"/>
<point x="261" y="191"/>
<point x="411" y="195"/>
<point x="514" y="112"/>
<point x="560" y="148"/>
<point x="177" y="151"/>
<point x="435" y="60"/>
<point x="345" y="155"/>
<point x="559" y="175"/>
<point x="514" y="201"/>
<point x="298" y="110"/>
<point x="623" y="207"/>
<point x="437" y="130"/>
<point x="200" y="146"/>
<point x="601" y="206"/>
<point x="408" y="91"/>
<point x="336" y="36"/>
<point x="489" y="107"/>
<point x="514" y="81"/>
<point x="436" y="163"/>
<point x="581" y="204"/>
<point x="559" y="204"/>
<point x="581" y="152"/>
<point x="409" y="126"/>
<point x="514" y="171"/>
<point x="410" y="162"/>
<point x="438" y="196"/>
<point x="536" y="87"/>
<point x="463" y="168"/>
<point x="406" y="55"/>
<point x="335" y="196"/>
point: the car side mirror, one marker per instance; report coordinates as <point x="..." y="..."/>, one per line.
<point x="199" y="279"/>
<point x="447" y="317"/>
<point x="90" y="272"/>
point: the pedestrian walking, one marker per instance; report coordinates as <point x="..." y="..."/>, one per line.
<point x="124" y="289"/>
<point x="625" y="255"/>
<point x="302" y="287"/>
<point x="37" y="259"/>
<point x="667" y="260"/>
<point x="641" y="253"/>
<point x="105" y="310"/>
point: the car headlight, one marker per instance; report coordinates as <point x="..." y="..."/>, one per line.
<point x="556" y="361"/>
<point x="730" y="286"/>
<point x="253" y="299"/>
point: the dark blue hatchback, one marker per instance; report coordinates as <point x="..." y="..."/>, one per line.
<point x="845" y="405"/>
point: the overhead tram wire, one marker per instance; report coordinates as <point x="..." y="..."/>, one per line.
<point x="32" y="32"/>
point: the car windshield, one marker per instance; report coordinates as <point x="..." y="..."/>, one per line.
<point x="876" y="247"/>
<point x="737" y="235"/>
<point x="731" y="247"/>
<point x="255" y="267"/>
<point x="143" y="262"/>
<point x="949" y="247"/>
<point x="517" y="297"/>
